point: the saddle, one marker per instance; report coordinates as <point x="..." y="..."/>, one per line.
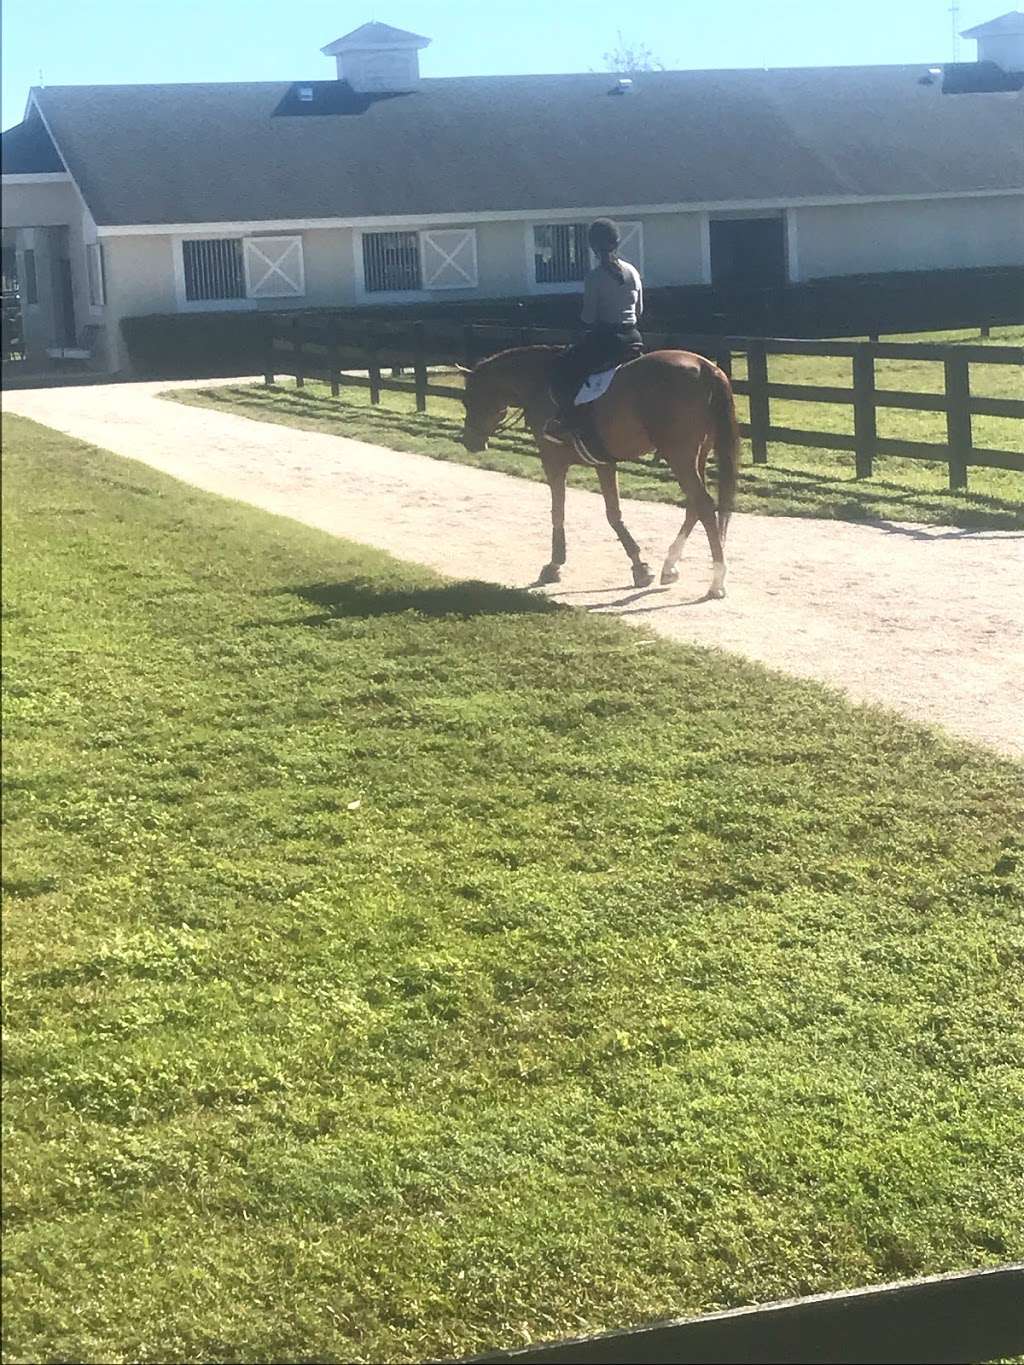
<point x="595" y="385"/>
<point x="582" y="434"/>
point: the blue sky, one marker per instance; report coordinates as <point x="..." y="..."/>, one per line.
<point x="120" y="41"/>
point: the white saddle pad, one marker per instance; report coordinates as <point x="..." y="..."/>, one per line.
<point x="595" y="386"/>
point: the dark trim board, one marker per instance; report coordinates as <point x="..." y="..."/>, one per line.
<point x="973" y="1316"/>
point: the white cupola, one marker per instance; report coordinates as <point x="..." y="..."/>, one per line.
<point x="1001" y="40"/>
<point x="377" y="58"/>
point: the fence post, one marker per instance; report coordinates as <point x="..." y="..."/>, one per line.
<point x="723" y="359"/>
<point x="760" y="412"/>
<point x="335" y="370"/>
<point x="958" y="418"/>
<point x="373" y="365"/>
<point x="300" y="378"/>
<point x="268" y="362"/>
<point x="420" y="365"/>
<point x="865" y="420"/>
<point x="986" y="330"/>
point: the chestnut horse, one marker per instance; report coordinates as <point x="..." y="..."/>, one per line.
<point x="672" y="402"/>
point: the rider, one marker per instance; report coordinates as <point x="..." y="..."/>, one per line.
<point x="613" y="302"/>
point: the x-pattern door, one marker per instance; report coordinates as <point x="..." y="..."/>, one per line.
<point x="274" y="267"/>
<point x="449" y="259"/>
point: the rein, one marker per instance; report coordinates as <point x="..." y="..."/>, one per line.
<point x="512" y="418"/>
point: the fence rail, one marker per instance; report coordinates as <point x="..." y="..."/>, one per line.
<point x="342" y="356"/>
<point x="974" y="1315"/>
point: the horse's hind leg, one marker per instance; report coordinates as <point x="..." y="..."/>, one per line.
<point x="691" y="481"/>
<point x="555" y="469"/>
<point x="700" y="506"/>
<point x="608" y="478"/>
<point x="709" y="516"/>
<point x="669" y="570"/>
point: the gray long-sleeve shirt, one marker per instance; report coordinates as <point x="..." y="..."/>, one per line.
<point x="611" y="302"/>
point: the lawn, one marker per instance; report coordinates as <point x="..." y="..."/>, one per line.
<point x="397" y="968"/>
<point x="797" y="482"/>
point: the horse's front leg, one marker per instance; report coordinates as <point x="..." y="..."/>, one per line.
<point x="608" y="477"/>
<point x="555" y="468"/>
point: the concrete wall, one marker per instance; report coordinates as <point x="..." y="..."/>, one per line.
<point x="140" y="279"/>
<point x="46" y="205"/>
<point x="37" y="318"/>
<point x="673" y="250"/>
<point x="940" y="234"/>
<point x="51" y="220"/>
<point x="501" y="262"/>
<point x="41" y="325"/>
<point x="330" y="271"/>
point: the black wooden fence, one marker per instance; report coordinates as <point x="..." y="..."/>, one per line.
<point x="360" y="357"/>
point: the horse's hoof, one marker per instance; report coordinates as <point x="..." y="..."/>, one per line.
<point x="643" y="575"/>
<point x="551" y="573"/>
<point x="715" y="594"/>
<point x="669" y="576"/>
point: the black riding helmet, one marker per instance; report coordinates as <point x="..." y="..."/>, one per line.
<point x="604" y="235"/>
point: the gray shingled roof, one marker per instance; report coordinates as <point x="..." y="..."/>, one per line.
<point x="213" y="153"/>
<point x="26" y="149"/>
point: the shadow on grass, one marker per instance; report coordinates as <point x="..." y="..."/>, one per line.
<point x="849" y="500"/>
<point x="356" y="597"/>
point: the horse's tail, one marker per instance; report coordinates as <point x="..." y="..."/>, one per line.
<point x="726" y="440"/>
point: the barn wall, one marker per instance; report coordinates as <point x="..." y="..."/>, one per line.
<point x="37" y="320"/>
<point x="501" y="267"/>
<point x="501" y="261"/>
<point x="938" y="234"/>
<point x="330" y="271"/>
<point x="50" y="220"/>
<point x="46" y="205"/>
<point x="140" y="279"/>
<point x="673" y="254"/>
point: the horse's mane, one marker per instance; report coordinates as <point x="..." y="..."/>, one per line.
<point x="515" y="351"/>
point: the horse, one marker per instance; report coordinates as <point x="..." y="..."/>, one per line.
<point x="678" y="404"/>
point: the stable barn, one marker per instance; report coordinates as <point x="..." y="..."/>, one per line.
<point x="377" y="187"/>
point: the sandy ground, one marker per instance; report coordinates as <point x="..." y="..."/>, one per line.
<point x="929" y="621"/>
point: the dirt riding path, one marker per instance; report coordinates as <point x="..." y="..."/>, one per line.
<point x="929" y="621"/>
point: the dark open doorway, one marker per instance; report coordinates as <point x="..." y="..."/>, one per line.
<point x="748" y="253"/>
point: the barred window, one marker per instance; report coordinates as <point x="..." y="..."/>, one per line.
<point x="213" y="269"/>
<point x="560" y="253"/>
<point x="391" y="261"/>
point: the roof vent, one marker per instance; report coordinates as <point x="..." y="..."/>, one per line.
<point x="623" y="86"/>
<point x="377" y="58"/>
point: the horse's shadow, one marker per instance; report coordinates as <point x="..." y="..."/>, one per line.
<point x="624" y="606"/>
<point x="360" y="598"/>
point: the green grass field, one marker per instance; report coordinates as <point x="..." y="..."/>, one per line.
<point x="397" y="968"/>
<point x="797" y="481"/>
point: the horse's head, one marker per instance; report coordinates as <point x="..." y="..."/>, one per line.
<point x="486" y="408"/>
